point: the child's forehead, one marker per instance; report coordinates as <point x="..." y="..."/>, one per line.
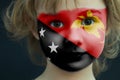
<point x="60" y="5"/>
<point x="90" y="4"/>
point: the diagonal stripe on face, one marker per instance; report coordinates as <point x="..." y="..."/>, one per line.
<point x="88" y="37"/>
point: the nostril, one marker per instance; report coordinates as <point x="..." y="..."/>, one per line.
<point x="78" y="43"/>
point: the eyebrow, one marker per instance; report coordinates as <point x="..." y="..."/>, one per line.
<point x="97" y="11"/>
<point x="93" y="11"/>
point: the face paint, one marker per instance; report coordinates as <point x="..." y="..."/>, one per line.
<point x="72" y="39"/>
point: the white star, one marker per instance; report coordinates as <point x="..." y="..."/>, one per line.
<point x="53" y="47"/>
<point x="42" y="32"/>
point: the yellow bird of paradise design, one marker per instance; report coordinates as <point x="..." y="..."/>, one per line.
<point x="91" y="29"/>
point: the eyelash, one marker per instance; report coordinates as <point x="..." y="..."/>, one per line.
<point x="57" y="23"/>
<point x="88" y="21"/>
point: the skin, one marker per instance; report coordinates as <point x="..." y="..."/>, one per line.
<point x="58" y="74"/>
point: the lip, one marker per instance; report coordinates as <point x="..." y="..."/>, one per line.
<point x="79" y="50"/>
<point x="72" y="55"/>
<point x="78" y="54"/>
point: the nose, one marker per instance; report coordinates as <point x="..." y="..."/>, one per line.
<point x="74" y="43"/>
<point x="75" y="36"/>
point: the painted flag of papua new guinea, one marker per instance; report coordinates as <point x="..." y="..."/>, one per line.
<point x="85" y="28"/>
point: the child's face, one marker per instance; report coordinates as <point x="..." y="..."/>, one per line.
<point x="73" y="37"/>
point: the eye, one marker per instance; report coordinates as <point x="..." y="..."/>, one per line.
<point x="57" y="24"/>
<point x="88" y="21"/>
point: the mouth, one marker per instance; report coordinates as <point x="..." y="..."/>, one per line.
<point x="76" y="55"/>
<point x="68" y="57"/>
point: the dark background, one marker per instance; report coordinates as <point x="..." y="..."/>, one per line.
<point x="15" y="63"/>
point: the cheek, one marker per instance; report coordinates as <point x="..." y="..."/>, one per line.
<point x="92" y="39"/>
<point x="52" y="37"/>
<point x="92" y="44"/>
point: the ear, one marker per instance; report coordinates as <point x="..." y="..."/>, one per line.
<point x="35" y="34"/>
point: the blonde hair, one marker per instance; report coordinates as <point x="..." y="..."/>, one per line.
<point x="22" y="19"/>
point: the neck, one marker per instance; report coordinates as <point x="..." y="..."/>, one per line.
<point x="54" y="73"/>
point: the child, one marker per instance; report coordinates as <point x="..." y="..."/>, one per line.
<point x="71" y="34"/>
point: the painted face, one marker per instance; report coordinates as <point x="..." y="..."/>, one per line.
<point x="72" y="39"/>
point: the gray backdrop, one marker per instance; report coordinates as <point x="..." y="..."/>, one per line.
<point x="16" y="65"/>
